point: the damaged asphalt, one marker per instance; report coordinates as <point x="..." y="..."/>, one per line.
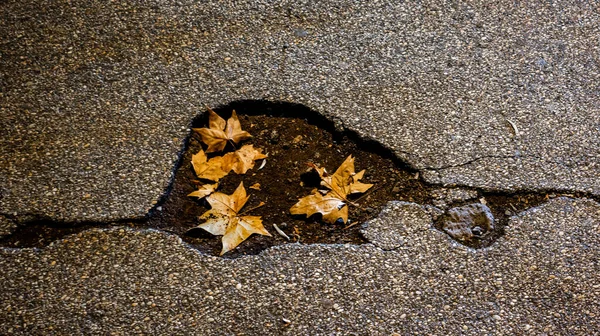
<point x="97" y="98"/>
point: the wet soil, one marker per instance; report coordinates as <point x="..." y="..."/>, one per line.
<point x="293" y="136"/>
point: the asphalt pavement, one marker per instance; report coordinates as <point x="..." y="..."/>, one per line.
<point x="97" y="98"/>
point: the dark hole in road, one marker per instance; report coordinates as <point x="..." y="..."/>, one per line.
<point x="292" y="135"/>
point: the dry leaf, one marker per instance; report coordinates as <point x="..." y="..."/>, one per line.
<point x="224" y="219"/>
<point x="332" y="204"/>
<point x="242" y="159"/>
<point x="211" y="169"/>
<point x="204" y="190"/>
<point x="329" y="205"/>
<point x="219" y="132"/>
<point x="255" y="186"/>
<point x="344" y="181"/>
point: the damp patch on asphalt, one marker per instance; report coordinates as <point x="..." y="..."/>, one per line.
<point x="294" y="136"/>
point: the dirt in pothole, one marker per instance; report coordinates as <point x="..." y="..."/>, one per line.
<point x="291" y="143"/>
<point x="293" y="136"/>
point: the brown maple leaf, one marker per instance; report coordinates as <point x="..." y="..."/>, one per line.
<point x="242" y="159"/>
<point x="220" y="132"/>
<point x="224" y="219"/>
<point x="332" y="204"/>
<point x="208" y="169"/>
<point x="344" y="180"/>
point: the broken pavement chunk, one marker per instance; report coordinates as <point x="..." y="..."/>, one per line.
<point x="468" y="222"/>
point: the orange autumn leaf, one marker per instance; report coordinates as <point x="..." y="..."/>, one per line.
<point x="344" y="181"/>
<point x="220" y="132"/>
<point x="331" y="207"/>
<point x="208" y="169"/>
<point x="332" y="204"/>
<point x="224" y="219"/>
<point x="242" y="159"/>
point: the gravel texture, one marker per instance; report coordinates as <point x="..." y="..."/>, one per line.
<point x="397" y="223"/>
<point x="541" y="278"/>
<point x="96" y="97"/>
<point x="7" y="226"/>
<point x="445" y="196"/>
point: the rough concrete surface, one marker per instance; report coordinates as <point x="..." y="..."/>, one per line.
<point x="97" y="97"/>
<point x="7" y="226"/>
<point x="542" y="278"/>
<point x="396" y="224"/>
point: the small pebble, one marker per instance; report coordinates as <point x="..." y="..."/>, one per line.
<point x="300" y="32"/>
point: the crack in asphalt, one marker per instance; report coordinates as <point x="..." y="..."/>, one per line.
<point x="26" y="222"/>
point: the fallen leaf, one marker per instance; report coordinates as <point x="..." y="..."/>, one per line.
<point x="330" y="206"/>
<point x="242" y="159"/>
<point x="208" y="169"/>
<point x="255" y="186"/>
<point x="224" y="219"/>
<point x="220" y="132"/>
<point x="344" y="181"/>
<point x="204" y="190"/>
<point x="332" y="203"/>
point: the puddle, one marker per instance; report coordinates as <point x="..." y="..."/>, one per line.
<point x="293" y="136"/>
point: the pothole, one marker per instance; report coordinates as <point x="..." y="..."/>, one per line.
<point x="293" y="136"/>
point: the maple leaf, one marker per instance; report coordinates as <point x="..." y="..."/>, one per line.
<point x="242" y="159"/>
<point x="344" y="181"/>
<point x="220" y="132"/>
<point x="224" y="219"/>
<point x="204" y="190"/>
<point x="208" y="169"/>
<point x="332" y="204"/>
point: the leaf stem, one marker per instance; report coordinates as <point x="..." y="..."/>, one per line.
<point x="232" y="144"/>
<point x="367" y="193"/>
<point x="351" y="225"/>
